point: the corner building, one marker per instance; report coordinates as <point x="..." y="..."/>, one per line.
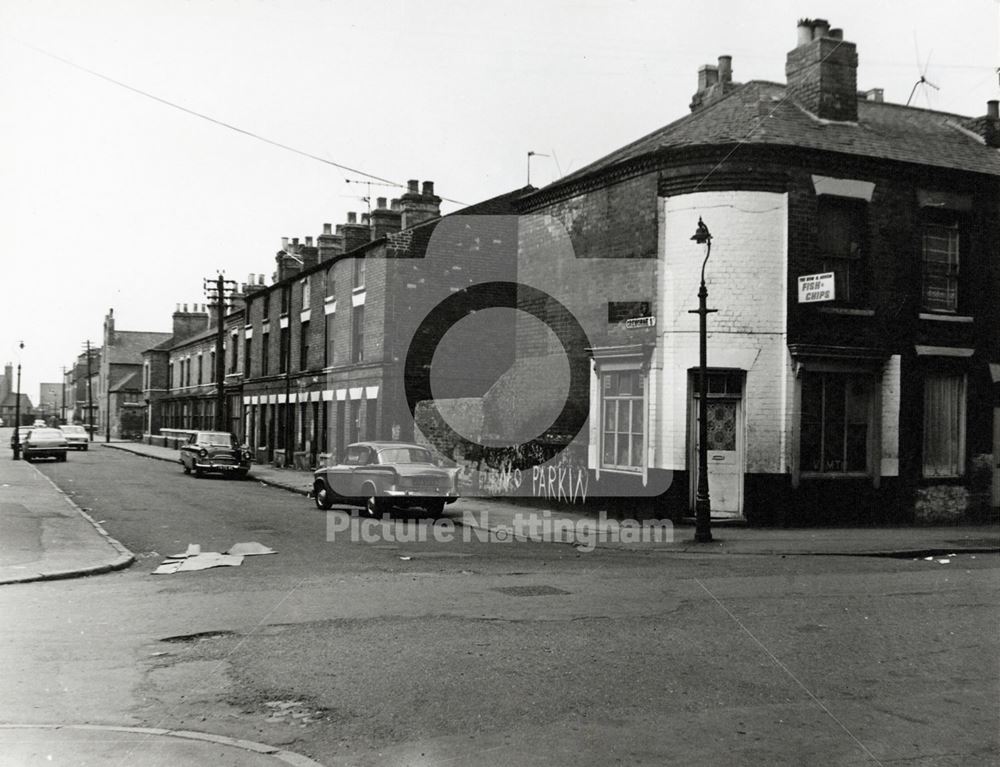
<point x="878" y="406"/>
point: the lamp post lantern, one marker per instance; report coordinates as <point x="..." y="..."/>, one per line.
<point x="702" y="502"/>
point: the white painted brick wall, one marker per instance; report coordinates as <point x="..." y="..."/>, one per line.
<point x="890" y="416"/>
<point x="746" y="280"/>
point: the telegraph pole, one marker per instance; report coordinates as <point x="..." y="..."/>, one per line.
<point x="17" y="407"/>
<point x="90" y="396"/>
<point x="63" y="408"/>
<point x="218" y="290"/>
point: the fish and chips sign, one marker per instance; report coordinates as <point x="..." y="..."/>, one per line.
<point x="816" y="287"/>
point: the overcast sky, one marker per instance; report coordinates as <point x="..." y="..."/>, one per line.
<point x="112" y="199"/>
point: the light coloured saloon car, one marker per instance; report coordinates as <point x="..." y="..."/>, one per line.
<point x="382" y="475"/>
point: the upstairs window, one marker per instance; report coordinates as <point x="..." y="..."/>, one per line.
<point x="266" y="306"/>
<point x="304" y="346"/>
<point x="286" y="299"/>
<point x="306" y="294"/>
<point x="358" y="334"/>
<point x="359" y="273"/>
<point x="940" y="262"/>
<point x="841" y="245"/>
<point x="284" y="350"/>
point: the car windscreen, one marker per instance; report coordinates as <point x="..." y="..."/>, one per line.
<point x="38" y="434"/>
<point x="404" y="455"/>
<point x="73" y="430"/>
<point x="220" y="440"/>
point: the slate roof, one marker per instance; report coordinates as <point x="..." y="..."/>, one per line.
<point x="129" y="345"/>
<point x="10" y="401"/>
<point x="758" y="113"/>
<point x="128" y="381"/>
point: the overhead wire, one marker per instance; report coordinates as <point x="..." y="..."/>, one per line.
<point x="215" y="121"/>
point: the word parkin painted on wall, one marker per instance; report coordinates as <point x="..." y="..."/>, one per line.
<point x="560" y="483"/>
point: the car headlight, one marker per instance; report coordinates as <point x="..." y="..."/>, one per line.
<point x="203" y="452"/>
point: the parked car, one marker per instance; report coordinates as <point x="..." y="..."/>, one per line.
<point x="383" y="475"/>
<point x="44" y="443"/>
<point x="76" y="437"/>
<point x="39" y="423"/>
<point x="215" y="451"/>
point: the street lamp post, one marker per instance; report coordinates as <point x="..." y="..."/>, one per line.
<point x="702" y="502"/>
<point x="17" y="407"/>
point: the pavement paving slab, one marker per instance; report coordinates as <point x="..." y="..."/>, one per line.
<point x="101" y="746"/>
<point x="44" y="535"/>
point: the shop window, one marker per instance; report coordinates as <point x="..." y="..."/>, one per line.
<point x="623" y="429"/>
<point x="944" y="426"/>
<point x="836" y="424"/>
<point x="940" y="262"/>
<point x="841" y="243"/>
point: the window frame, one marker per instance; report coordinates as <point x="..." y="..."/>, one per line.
<point x="871" y="380"/>
<point x="961" y="408"/>
<point x="605" y="377"/>
<point x="951" y="272"/>
<point x="852" y="283"/>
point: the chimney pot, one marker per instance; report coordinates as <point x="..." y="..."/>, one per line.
<point x="993" y="109"/>
<point x="725" y="69"/>
<point x="352" y="218"/>
<point x="395" y="203"/>
<point x="327" y="228"/>
<point x="875" y="94"/>
<point x="413" y="186"/>
<point x="185" y="308"/>
<point x="284" y="243"/>
<point x="295" y="242"/>
<point x="366" y="218"/>
<point x="805" y="32"/>
<point x="821" y="28"/>
<point x="381" y="203"/>
<point x="836" y="34"/>
<point x="309" y="242"/>
<point x="260" y="279"/>
<point x="428" y="189"/>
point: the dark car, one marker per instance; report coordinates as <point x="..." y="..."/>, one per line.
<point x="43" y="443"/>
<point x="383" y="475"/>
<point x="215" y="451"/>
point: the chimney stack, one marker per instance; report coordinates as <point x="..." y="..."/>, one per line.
<point x="329" y="244"/>
<point x="354" y="234"/>
<point x="714" y="82"/>
<point x="988" y="126"/>
<point x="418" y="207"/>
<point x="822" y="72"/>
<point x="385" y="221"/>
<point x="188" y="323"/>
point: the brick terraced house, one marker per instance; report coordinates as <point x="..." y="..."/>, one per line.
<point x="326" y="345"/>
<point x="878" y="405"/>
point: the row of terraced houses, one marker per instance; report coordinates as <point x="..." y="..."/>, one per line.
<point x="543" y="339"/>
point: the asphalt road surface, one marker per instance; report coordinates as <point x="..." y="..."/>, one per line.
<point x="409" y="652"/>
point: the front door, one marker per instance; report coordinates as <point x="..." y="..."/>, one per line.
<point x="725" y="456"/>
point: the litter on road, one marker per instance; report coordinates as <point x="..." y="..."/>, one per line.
<point x="196" y="559"/>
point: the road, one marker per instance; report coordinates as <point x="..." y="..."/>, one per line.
<point x="473" y="653"/>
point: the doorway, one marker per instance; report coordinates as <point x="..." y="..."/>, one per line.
<point x="726" y="451"/>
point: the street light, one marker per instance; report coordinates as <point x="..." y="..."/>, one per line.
<point x="702" y="502"/>
<point x="17" y="406"/>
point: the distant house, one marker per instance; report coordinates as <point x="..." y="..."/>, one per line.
<point x="8" y="399"/>
<point x="118" y="398"/>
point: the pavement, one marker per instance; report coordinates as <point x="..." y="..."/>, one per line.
<point x="45" y="536"/>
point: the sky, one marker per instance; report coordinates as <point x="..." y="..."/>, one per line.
<point x="114" y="199"/>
